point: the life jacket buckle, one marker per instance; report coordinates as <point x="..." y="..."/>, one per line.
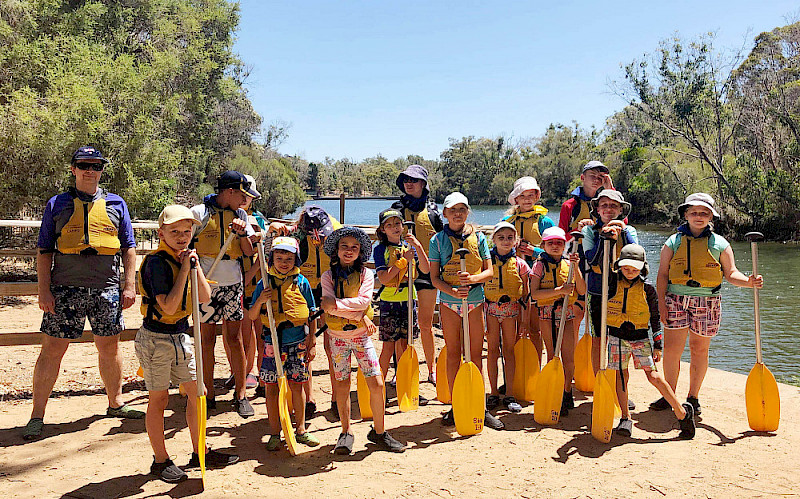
<point x="349" y="327"/>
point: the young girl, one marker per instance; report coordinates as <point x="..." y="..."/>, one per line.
<point x="509" y="285"/>
<point x="549" y="287"/>
<point x="393" y="261"/>
<point x="455" y="285"/>
<point x="347" y="300"/>
<point x="632" y="307"/>
<point x="693" y="262"/>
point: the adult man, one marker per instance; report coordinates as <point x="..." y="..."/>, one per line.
<point x="84" y="233"/>
<point x="220" y="215"/>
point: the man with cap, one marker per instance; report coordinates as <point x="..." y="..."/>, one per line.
<point x="221" y="215"/>
<point x="84" y="235"/>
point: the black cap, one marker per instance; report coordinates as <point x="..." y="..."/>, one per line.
<point x="235" y="180"/>
<point x="87" y="152"/>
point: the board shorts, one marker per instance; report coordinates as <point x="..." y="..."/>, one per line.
<point x="701" y="314"/>
<point x="502" y="311"/>
<point x="546" y="313"/>
<point x="620" y="350"/>
<point x="394" y="321"/>
<point x="364" y="351"/>
<point x="74" y="304"/>
<point x="165" y="358"/>
<point x="225" y="304"/>
<point x="294" y="363"/>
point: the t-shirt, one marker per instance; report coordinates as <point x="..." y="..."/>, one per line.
<point x="157" y="279"/>
<point x="440" y="252"/>
<point x="90" y="271"/>
<point x="296" y="334"/>
<point x="716" y="245"/>
<point x="228" y="272"/>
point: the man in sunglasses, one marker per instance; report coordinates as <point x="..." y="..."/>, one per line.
<point x="85" y="233"/>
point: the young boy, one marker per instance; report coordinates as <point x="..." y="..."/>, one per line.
<point x="632" y="306"/>
<point x="165" y="351"/>
<point x="292" y="304"/>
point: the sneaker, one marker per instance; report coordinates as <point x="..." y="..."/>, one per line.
<point x="624" y="428"/>
<point x="492" y="422"/>
<point x="230" y="382"/>
<point x="251" y="381"/>
<point x="274" y="443"/>
<point x="385" y="441"/>
<point x="124" y="411"/>
<point x="660" y="405"/>
<point x="261" y="392"/>
<point x="214" y="459"/>
<point x="243" y="407"/>
<point x="687" y="423"/>
<point x="33" y="430"/>
<point x="512" y="404"/>
<point x="168" y="472"/>
<point x="492" y="401"/>
<point x="695" y="404"/>
<point x="311" y="409"/>
<point x="448" y="419"/>
<point x="631" y="405"/>
<point x="344" y="445"/>
<point x="307" y="439"/>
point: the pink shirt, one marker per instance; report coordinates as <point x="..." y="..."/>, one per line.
<point x="350" y="308"/>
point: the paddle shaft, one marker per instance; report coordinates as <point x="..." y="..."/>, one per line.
<point x="604" y="306"/>
<point x="756" y="303"/>
<point x="221" y="253"/>
<point x="465" y="316"/>
<point x="562" y="323"/>
<point x="410" y="226"/>
<point x="276" y="348"/>
<point x="198" y="338"/>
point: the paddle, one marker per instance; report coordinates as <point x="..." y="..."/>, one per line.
<point x="605" y="382"/>
<point x="761" y="391"/>
<point x="469" y="402"/>
<point x="526" y="371"/>
<point x="198" y="357"/>
<point x="584" y="370"/>
<point x="549" y="390"/>
<point x="363" y="396"/>
<point x="408" y="365"/>
<point x="283" y="384"/>
<point x="442" y="384"/>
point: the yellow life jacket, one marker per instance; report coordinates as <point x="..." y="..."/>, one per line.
<point x="397" y="290"/>
<point x="451" y="269"/>
<point x="694" y="265"/>
<point x="150" y="308"/>
<point x="212" y="237"/>
<point x="506" y="280"/>
<point x="317" y="262"/>
<point x="629" y="304"/>
<point x="527" y="224"/>
<point x="555" y="275"/>
<point x="423" y="229"/>
<point x="580" y="211"/>
<point x="616" y="249"/>
<point x="347" y="288"/>
<point x="288" y="302"/>
<point x="89" y="230"/>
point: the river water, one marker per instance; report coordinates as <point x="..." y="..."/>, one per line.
<point x="733" y="349"/>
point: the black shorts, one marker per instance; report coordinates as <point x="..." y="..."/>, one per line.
<point x="595" y="311"/>
<point x="423" y="281"/>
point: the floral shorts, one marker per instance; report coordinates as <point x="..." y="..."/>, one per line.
<point x="362" y="348"/>
<point x="226" y="303"/>
<point x="294" y="363"/>
<point x="621" y="350"/>
<point x="73" y="304"/>
<point x="457" y="307"/>
<point x="701" y="314"/>
<point x="546" y="312"/>
<point x="502" y="311"/>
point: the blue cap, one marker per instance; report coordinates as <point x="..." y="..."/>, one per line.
<point x="87" y="152"/>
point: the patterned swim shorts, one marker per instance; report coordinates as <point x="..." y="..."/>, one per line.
<point x="294" y="363"/>
<point x="457" y="307"/>
<point x="73" y="304"/>
<point x="362" y="348"/>
<point x="226" y="303"/>
<point x="502" y="311"/>
<point x="394" y="320"/>
<point x="622" y="350"/>
<point x="701" y="314"/>
<point x="546" y="312"/>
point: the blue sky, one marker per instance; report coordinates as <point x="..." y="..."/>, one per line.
<point x="360" y="78"/>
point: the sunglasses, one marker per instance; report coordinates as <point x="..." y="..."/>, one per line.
<point x="409" y="180"/>
<point x="98" y="167"/>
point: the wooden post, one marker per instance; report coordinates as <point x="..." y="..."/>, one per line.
<point x="341" y="208"/>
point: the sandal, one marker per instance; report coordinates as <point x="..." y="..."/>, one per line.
<point x="124" y="411"/>
<point x="33" y="429"/>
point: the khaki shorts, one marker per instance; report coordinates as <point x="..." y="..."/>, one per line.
<point x="165" y="358"/>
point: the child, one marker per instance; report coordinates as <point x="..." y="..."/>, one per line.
<point x="632" y="306"/>
<point x="504" y="293"/>
<point x="292" y="304"/>
<point x="392" y="263"/>
<point x="166" y="305"/>
<point x="693" y="263"/>
<point x="455" y="285"/>
<point x="549" y="287"/>
<point x="347" y="300"/>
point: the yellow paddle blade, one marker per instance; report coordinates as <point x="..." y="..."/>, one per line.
<point x="408" y="380"/>
<point x="526" y="371"/>
<point x="469" y="404"/>
<point x="548" y="393"/>
<point x="286" y="419"/>
<point x="442" y="384"/>
<point x="603" y="406"/>
<point x="584" y="371"/>
<point x="201" y="440"/>
<point x="762" y="399"/>
<point x="363" y="396"/>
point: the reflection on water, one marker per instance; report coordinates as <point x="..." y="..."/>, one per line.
<point x="734" y="348"/>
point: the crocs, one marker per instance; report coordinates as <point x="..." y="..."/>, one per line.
<point x="344" y="445"/>
<point x="688" y="426"/>
<point x="385" y="441"/>
<point x="274" y="443"/>
<point x="305" y="439"/>
<point x="624" y="428"/>
<point x="695" y="404"/>
<point x="168" y="472"/>
<point x="124" y="412"/>
<point x="33" y="429"/>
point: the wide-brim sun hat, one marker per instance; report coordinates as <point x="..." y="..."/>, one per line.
<point x="413" y="171"/>
<point x="503" y="225"/>
<point x="521" y="185"/>
<point x="698" y="199"/>
<point x="332" y="242"/>
<point x="455" y="198"/>
<point x="286" y="243"/>
<point x="614" y="196"/>
<point x="551" y="233"/>
<point x="635" y="256"/>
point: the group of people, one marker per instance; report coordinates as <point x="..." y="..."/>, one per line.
<point x="318" y="280"/>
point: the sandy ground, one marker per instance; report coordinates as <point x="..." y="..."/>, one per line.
<point x="85" y="454"/>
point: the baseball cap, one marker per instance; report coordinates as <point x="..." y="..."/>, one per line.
<point x="387" y="214"/>
<point x="595" y="165"/>
<point x="286" y="243"/>
<point x="235" y="180"/>
<point x="503" y="225"/>
<point x="175" y="213"/>
<point x="633" y="255"/>
<point x="554" y="233"/>
<point x="253" y="189"/>
<point x="455" y="198"/>
<point x="87" y="152"/>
